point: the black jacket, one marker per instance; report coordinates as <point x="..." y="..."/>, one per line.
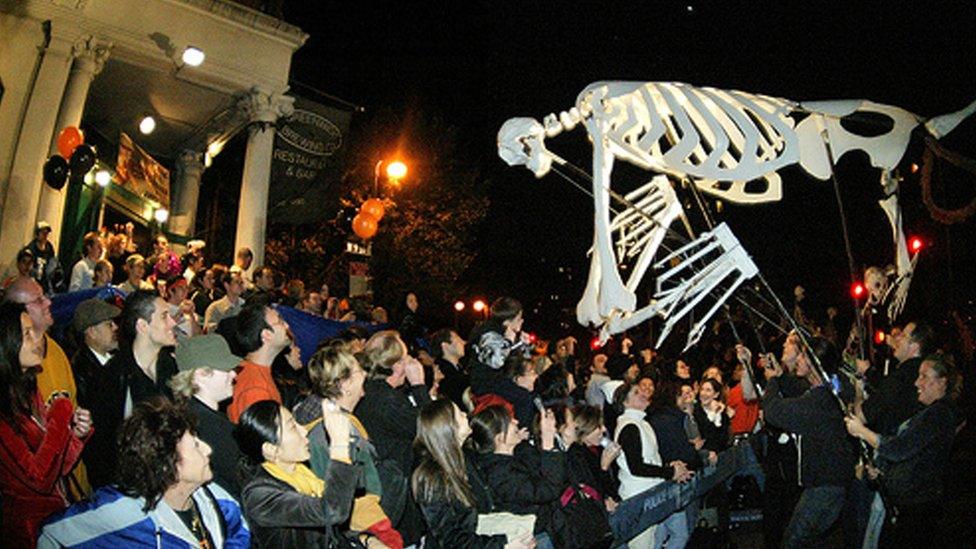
<point x="215" y="429"/>
<point x="825" y="452"/>
<point x="916" y="460"/>
<point x="101" y="390"/>
<point x="138" y="383"/>
<point x="455" y="382"/>
<point x="716" y="437"/>
<point x="452" y="524"/>
<point x="390" y="420"/>
<point x="894" y="400"/>
<point x="106" y="396"/>
<point x="583" y="467"/>
<point x="530" y="482"/>
<point x="672" y="439"/>
<point x="279" y="516"/>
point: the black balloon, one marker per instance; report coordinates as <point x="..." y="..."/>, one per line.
<point x="82" y="160"/>
<point x="56" y="172"/>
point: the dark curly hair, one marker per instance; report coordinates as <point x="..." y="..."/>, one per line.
<point x="147" y="448"/>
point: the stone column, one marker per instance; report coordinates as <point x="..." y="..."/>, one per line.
<point x="183" y="218"/>
<point x="33" y="148"/>
<point x="89" y="57"/>
<point x="262" y="109"/>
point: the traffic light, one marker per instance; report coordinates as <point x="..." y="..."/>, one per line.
<point x="858" y="290"/>
<point x="915" y="244"/>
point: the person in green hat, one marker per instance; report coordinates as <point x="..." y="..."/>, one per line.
<point x="207" y="370"/>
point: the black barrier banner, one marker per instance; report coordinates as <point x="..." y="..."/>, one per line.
<point x="638" y="513"/>
<point x="306" y="163"/>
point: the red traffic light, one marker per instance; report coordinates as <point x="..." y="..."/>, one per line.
<point x="595" y="343"/>
<point x="879" y="337"/>
<point x="915" y="244"/>
<point x="858" y="290"/>
<point x="532" y="338"/>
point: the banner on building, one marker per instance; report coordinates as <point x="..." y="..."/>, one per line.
<point x="140" y="174"/>
<point x="306" y="164"/>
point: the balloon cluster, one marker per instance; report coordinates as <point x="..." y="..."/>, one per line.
<point x="75" y="158"/>
<point x="366" y="222"/>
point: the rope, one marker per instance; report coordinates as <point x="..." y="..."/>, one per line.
<point x="947" y="217"/>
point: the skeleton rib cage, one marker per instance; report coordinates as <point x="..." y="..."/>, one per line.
<point x="706" y="134"/>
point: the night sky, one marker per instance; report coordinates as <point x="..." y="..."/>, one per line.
<point x="476" y="64"/>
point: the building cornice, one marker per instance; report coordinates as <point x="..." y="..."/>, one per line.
<point x="248" y="18"/>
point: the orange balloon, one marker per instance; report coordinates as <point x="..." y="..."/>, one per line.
<point x="364" y="225"/>
<point x="69" y="138"/>
<point x="374" y="207"/>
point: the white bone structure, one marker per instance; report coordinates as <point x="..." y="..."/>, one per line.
<point x="713" y="262"/>
<point x="725" y="142"/>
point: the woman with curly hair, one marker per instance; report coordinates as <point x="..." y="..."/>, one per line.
<point x="162" y="497"/>
<point x="39" y="442"/>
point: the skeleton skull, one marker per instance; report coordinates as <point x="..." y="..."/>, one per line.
<point x="521" y="141"/>
<point x="876" y="281"/>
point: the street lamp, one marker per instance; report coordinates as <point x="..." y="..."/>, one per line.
<point x="481" y="308"/>
<point x="395" y="171"/>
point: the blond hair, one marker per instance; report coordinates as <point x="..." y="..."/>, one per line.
<point x="381" y="352"/>
<point x="329" y="367"/>
<point x="183" y="386"/>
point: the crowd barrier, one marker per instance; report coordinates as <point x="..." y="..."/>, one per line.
<point x="636" y="514"/>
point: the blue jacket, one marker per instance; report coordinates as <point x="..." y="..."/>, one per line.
<point x="112" y="520"/>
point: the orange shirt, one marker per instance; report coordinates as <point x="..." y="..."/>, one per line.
<point x="746" y="411"/>
<point x="254" y="383"/>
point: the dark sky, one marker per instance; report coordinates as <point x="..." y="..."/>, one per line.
<point x="479" y="63"/>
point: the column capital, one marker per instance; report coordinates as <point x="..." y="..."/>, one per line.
<point x="263" y="108"/>
<point x="90" y="54"/>
<point x="191" y="163"/>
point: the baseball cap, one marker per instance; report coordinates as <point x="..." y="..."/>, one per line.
<point x="42" y="226"/>
<point x="205" y="351"/>
<point x="93" y="311"/>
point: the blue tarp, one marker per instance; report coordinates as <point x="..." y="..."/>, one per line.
<point x="308" y="329"/>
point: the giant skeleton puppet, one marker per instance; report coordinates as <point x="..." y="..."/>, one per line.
<point x="720" y="140"/>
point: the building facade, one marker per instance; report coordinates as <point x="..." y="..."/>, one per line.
<point x="104" y="65"/>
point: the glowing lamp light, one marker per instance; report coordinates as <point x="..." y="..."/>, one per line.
<point x="193" y="56"/>
<point x="147" y="125"/>
<point x="103" y="178"/>
<point x="161" y="215"/>
<point x="478" y="306"/>
<point x="858" y="290"/>
<point x="532" y="338"/>
<point x="914" y="168"/>
<point x="459" y="306"/>
<point x="879" y="337"/>
<point x="915" y="244"/>
<point x="595" y="343"/>
<point x="396" y="170"/>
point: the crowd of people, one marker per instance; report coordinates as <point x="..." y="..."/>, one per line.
<point x="186" y="417"/>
